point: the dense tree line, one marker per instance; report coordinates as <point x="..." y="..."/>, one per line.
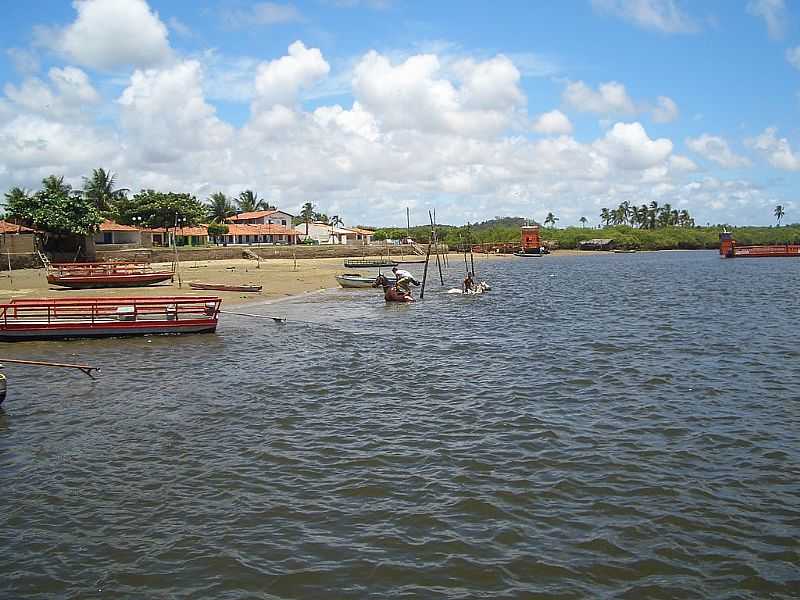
<point x="646" y="216"/>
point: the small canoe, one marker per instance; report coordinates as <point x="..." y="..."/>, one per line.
<point x="221" y="287"/>
<point x="358" y="281"/>
<point x="528" y="254"/>
<point x="367" y="263"/>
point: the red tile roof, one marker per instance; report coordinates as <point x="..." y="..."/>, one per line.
<point x="6" y="227"/>
<point x="200" y="230"/>
<point x="113" y="226"/>
<point x="253" y="215"/>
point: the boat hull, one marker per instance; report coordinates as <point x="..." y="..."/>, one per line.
<point x="62" y="331"/>
<point x="351" y="281"/>
<point x="78" y="282"/>
<point x="528" y="255"/>
<point x="787" y="251"/>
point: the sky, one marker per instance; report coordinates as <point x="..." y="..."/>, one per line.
<point x="366" y="107"/>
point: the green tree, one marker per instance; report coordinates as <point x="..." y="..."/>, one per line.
<point x="583" y="221"/>
<point x="605" y="216"/>
<point x="652" y="214"/>
<point x="550" y="219"/>
<point x="307" y="214"/>
<point x="778" y="212"/>
<point x="56" y="208"/>
<point x="335" y="221"/>
<point x="249" y="201"/>
<point x="220" y="207"/>
<point x="161" y="209"/>
<point x="100" y="190"/>
<point x="217" y="229"/>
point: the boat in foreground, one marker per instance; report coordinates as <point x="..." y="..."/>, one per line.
<point x="729" y="249"/>
<point x="56" y="318"/>
<point x="359" y="281"/>
<point x="105" y="275"/>
<point x="221" y="287"/>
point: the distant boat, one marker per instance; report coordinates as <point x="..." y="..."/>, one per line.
<point x="528" y="254"/>
<point x="359" y="281"/>
<point x="57" y="318"/>
<point x="729" y="249"/>
<point x="623" y="251"/>
<point x="221" y="287"/>
<point x="105" y="275"/>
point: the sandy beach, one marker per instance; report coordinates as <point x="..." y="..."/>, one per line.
<point x="280" y="278"/>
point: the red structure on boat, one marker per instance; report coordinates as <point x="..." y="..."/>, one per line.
<point x="54" y="318"/>
<point x="105" y="274"/>
<point x="729" y="249"/>
<point x="531" y="242"/>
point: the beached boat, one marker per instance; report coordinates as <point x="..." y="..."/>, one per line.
<point x="355" y="280"/>
<point x="369" y="263"/>
<point x="54" y="318"/>
<point x="221" y="287"/>
<point x="729" y="249"/>
<point x="528" y="254"/>
<point x="105" y="275"/>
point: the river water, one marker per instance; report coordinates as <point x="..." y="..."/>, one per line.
<point x="609" y="426"/>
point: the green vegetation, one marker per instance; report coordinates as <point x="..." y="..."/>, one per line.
<point x="160" y="209"/>
<point x="56" y="208"/>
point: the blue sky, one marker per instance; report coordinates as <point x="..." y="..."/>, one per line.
<point x="365" y="107"/>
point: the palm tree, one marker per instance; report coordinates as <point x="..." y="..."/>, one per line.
<point x="307" y="213"/>
<point x="249" y="202"/>
<point x="778" y="212"/>
<point x="583" y="221"/>
<point x="99" y="188"/>
<point x="551" y="219"/>
<point x="220" y="207"/>
<point x="605" y="216"/>
<point x="335" y="220"/>
<point x="16" y="194"/>
<point x="652" y="214"/>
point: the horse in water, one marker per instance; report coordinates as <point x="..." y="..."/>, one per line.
<point x="390" y="292"/>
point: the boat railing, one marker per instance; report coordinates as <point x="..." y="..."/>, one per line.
<point x="92" y="310"/>
<point x="103" y="268"/>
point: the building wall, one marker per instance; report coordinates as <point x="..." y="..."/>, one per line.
<point x="276" y="218"/>
<point x="17" y="243"/>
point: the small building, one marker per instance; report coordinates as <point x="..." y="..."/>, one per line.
<point x="111" y="232"/>
<point x="262" y="217"/>
<point x="324" y="233"/>
<point x="16" y="239"/>
<point x="596" y="244"/>
<point x="361" y="237"/>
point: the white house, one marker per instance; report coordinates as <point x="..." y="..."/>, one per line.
<point x="322" y="233"/>
<point x="113" y="233"/>
<point x="262" y="217"/>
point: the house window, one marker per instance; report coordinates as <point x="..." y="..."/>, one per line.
<point x="108" y="237"/>
<point x="283" y="221"/>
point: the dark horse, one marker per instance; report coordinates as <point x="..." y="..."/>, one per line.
<point x="390" y="292"/>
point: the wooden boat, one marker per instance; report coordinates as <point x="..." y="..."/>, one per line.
<point x="221" y="287"/>
<point x="55" y="318"/>
<point x="105" y="275"/>
<point x="355" y="280"/>
<point x="368" y="263"/>
<point x="623" y="251"/>
<point x="528" y="254"/>
<point x="729" y="249"/>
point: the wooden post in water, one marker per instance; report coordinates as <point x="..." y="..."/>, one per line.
<point x="436" y="242"/>
<point x="425" y="272"/>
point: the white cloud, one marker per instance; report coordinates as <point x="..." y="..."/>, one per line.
<point x="610" y="98"/>
<point x="681" y="163"/>
<point x="68" y="94"/>
<point x="778" y="151"/>
<point x="793" y="56"/>
<point x="280" y="81"/>
<point x="179" y="27"/>
<point x="25" y="61"/>
<point x="773" y="13"/>
<point x="716" y="149"/>
<point x="657" y="15"/>
<point x="552" y="123"/>
<point x="629" y="147"/>
<point x="263" y="13"/>
<point x="417" y="95"/>
<point x="111" y="34"/>
<point x="666" y="110"/>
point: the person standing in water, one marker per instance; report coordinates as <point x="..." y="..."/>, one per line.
<point x="469" y="283"/>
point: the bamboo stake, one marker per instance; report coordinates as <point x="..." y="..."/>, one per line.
<point x="425" y="272"/>
<point x="85" y="368"/>
<point x="436" y="242"/>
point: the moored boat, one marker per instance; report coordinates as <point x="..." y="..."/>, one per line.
<point x="105" y="275"/>
<point x="729" y="249"/>
<point x="221" y="287"/>
<point x="355" y="280"/>
<point x="55" y="318"/>
<point x="367" y="263"/>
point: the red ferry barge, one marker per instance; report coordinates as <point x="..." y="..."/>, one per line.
<point x="56" y="318"/>
<point x="729" y="249"/>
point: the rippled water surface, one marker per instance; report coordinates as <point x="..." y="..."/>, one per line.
<point x="613" y="426"/>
